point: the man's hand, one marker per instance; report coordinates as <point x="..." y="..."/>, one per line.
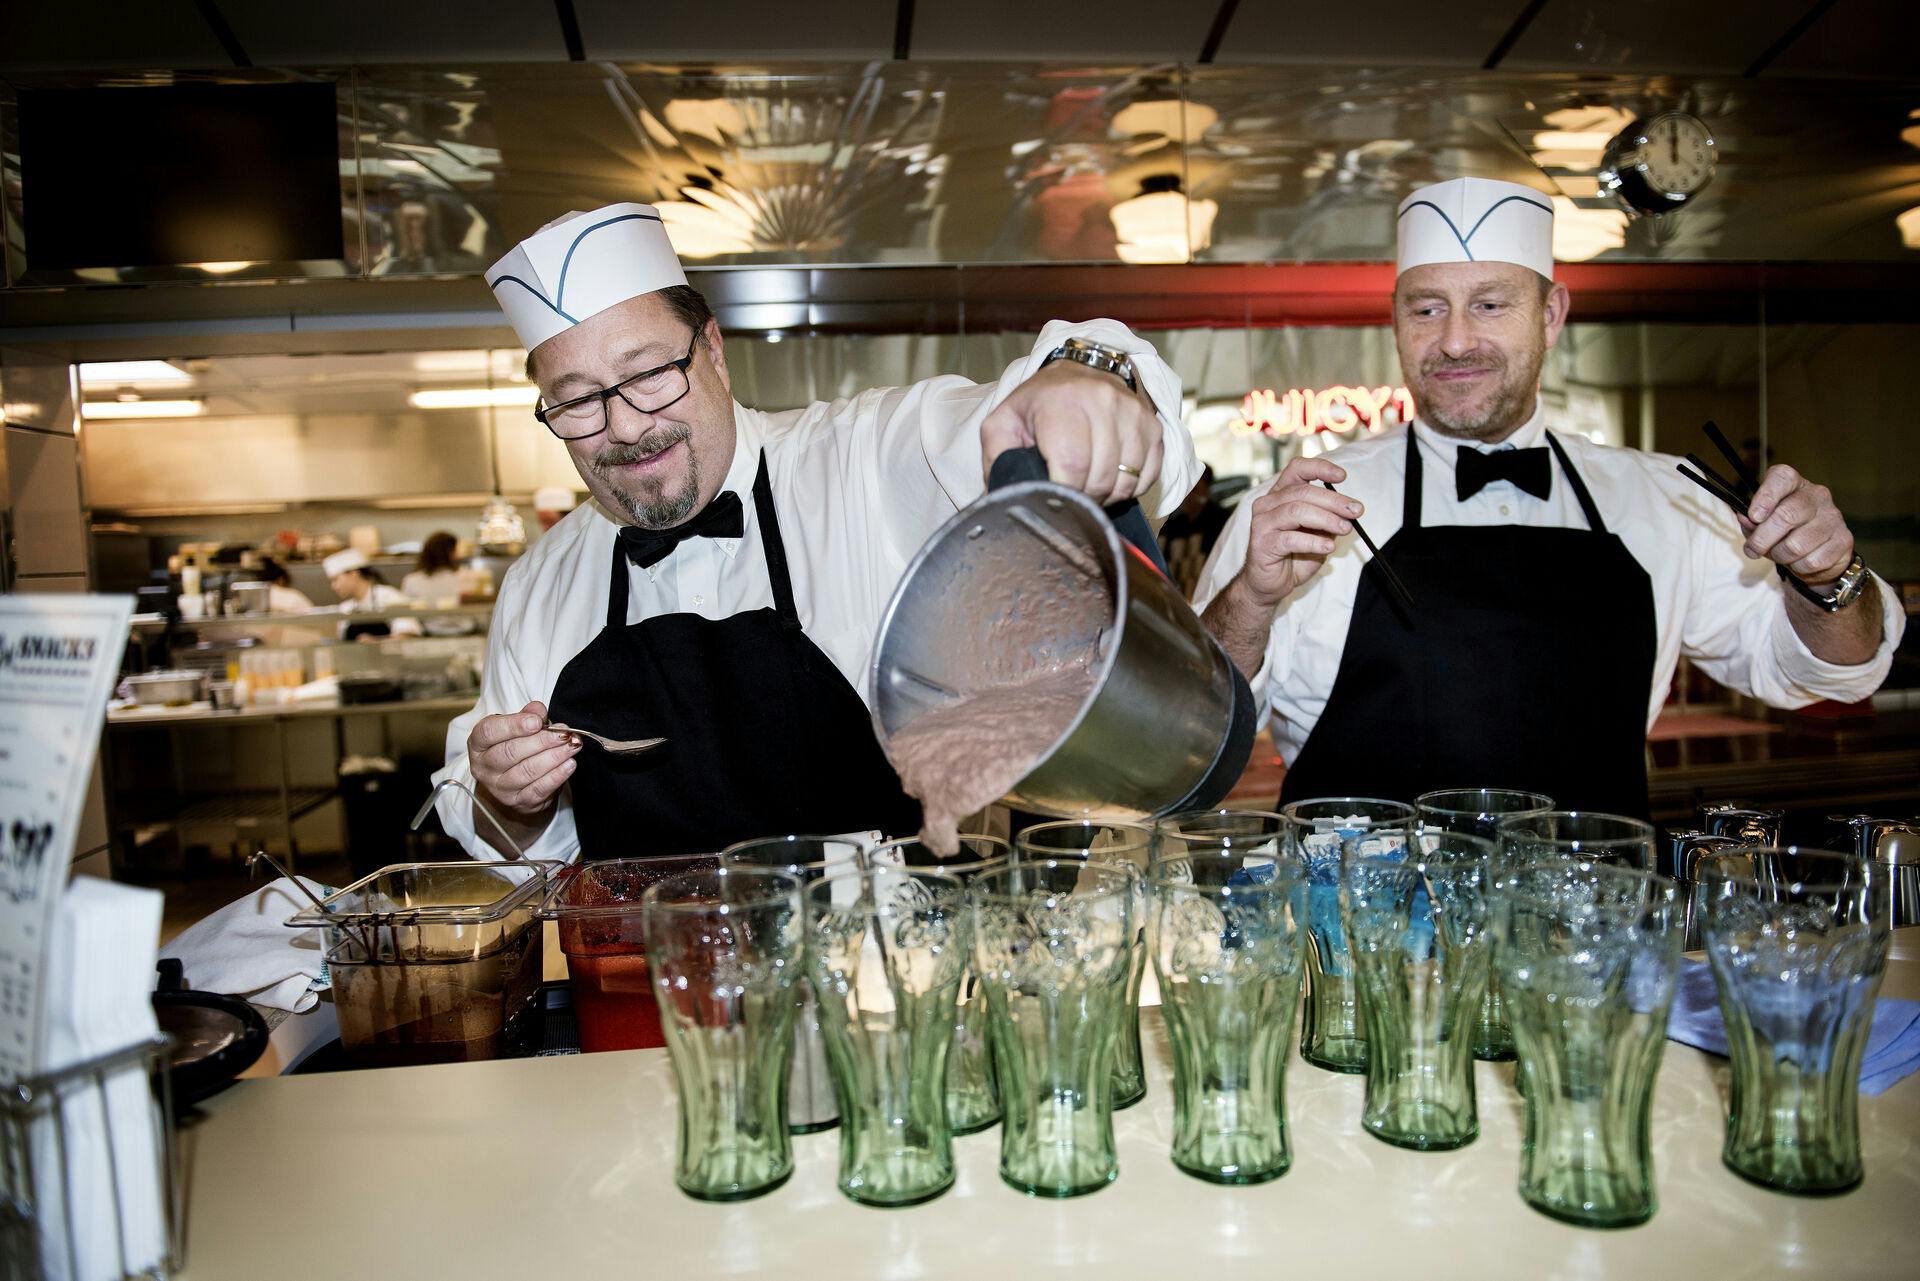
<point x="1086" y="424"/>
<point x="1294" y="527"/>
<point x="1793" y="522"/>
<point x="520" y="766"/>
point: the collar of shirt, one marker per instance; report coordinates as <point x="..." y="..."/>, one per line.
<point x="1441" y="450"/>
<point x="747" y="440"/>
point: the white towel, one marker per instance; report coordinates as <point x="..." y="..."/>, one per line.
<point x="245" y="949"/>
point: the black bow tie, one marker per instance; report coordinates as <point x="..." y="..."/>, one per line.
<point x="721" y="518"/>
<point x="1528" y="469"/>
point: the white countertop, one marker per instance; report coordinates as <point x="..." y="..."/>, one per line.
<point x="562" y="1167"/>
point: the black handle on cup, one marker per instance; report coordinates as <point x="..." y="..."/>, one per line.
<point x="1015" y="466"/>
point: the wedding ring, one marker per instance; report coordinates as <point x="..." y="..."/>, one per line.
<point x="1128" y="471"/>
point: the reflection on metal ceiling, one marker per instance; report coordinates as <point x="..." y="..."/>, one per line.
<point x="967" y="163"/>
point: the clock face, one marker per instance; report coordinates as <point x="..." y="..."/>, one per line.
<point x="1678" y="155"/>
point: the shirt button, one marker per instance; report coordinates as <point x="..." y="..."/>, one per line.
<point x="699" y="600"/>
<point x="1505" y="510"/>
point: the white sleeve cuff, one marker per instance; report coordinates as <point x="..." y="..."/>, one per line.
<point x="1805" y="671"/>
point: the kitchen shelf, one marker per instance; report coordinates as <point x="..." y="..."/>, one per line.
<point x="328" y="617"/>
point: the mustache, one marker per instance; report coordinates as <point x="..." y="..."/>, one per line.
<point x="620" y="455"/>
<point x="1448" y="365"/>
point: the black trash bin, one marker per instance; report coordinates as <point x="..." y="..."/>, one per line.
<point x="376" y="801"/>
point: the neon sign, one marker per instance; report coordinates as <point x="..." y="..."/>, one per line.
<point x="1302" y="411"/>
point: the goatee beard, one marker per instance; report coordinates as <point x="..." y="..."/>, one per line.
<point x="1505" y="413"/>
<point x="651" y="508"/>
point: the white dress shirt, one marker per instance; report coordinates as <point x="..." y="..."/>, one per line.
<point x="858" y="486"/>
<point x="1711" y="602"/>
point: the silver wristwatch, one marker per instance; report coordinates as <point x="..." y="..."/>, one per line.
<point x="1095" y="355"/>
<point x="1846" y="588"/>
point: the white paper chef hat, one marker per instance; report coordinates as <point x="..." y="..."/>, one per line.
<point x="1477" y="220"/>
<point x="582" y="264"/>
<point x="340" y="562"/>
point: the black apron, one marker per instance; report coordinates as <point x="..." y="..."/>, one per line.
<point x="1527" y="664"/>
<point x="764" y="735"/>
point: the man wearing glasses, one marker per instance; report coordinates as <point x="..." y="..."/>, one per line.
<point x="723" y="589"/>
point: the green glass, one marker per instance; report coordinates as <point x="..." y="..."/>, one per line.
<point x="810" y="1094"/>
<point x="973" y="1096"/>
<point x="1477" y="811"/>
<point x="1334" y="1034"/>
<point x="1051" y="946"/>
<point x="1589" y="954"/>
<point x="724" y="947"/>
<point x="1798" y="942"/>
<point x="1226" y="931"/>
<point x="1575" y="834"/>
<point x="1416" y="920"/>
<point x="1129" y="845"/>
<point x="886" y="949"/>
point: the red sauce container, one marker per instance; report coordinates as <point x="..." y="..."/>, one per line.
<point x="597" y="909"/>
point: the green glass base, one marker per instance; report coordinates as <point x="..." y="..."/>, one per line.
<point x="1127" y="1100"/>
<point x="814" y="1127"/>
<point x="1056" y="1192"/>
<point x="1488" y="1054"/>
<point x="1421" y="1143"/>
<point x="977" y="1126"/>
<point x="744" y="1195"/>
<point x="897" y="1203"/>
<point x="1235" y="1180"/>
<point x="1796" y="1189"/>
<point x="1582" y="1220"/>
<point x="1336" y="1065"/>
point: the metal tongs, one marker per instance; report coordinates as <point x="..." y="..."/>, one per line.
<point x="1737" y="493"/>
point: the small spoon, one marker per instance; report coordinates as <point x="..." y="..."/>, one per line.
<point x="617" y="746"/>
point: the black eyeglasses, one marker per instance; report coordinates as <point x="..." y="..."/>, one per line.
<point x="649" y="392"/>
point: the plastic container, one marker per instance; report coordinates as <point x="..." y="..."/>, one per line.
<point x="597" y="908"/>
<point x="435" y="962"/>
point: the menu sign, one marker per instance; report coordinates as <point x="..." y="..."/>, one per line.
<point x="58" y="659"/>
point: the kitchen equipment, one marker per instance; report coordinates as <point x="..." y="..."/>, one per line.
<point x="1050" y="946"/>
<point x="249" y="598"/>
<point x="973" y="1098"/>
<point x="1748" y="826"/>
<point x="1895" y="843"/>
<point x="1334" y="1033"/>
<point x="1033" y="576"/>
<point x="213" y="1038"/>
<point x="1128" y="846"/>
<point x="1679" y="857"/>
<point x="1798" y="942"/>
<point x="508" y="847"/>
<point x="1416" y="919"/>
<point x="166" y="688"/>
<point x="618" y="746"/>
<point x="223" y="696"/>
<point x="1227" y="930"/>
<point x="368" y="687"/>
<point x="886" y="953"/>
<point x="434" y="962"/>
<point x="726" y="948"/>
<point x="1588" y="954"/>
<point x="597" y="908"/>
<point x="1477" y="811"/>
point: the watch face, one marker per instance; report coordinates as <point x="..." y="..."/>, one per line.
<point x="1678" y="156"/>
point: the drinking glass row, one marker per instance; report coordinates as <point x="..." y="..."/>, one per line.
<point x="1005" y="985"/>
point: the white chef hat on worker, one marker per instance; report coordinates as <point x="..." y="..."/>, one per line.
<point x="340" y="562"/>
<point x="1477" y="220"/>
<point x="580" y="265"/>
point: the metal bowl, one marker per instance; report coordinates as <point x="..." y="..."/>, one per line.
<point x="166" y="688"/>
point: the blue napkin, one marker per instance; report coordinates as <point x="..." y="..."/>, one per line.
<point x="1893" y="1044"/>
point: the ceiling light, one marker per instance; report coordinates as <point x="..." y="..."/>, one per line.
<point x="1909" y="225"/>
<point x="450" y="362"/>
<point x="774" y="335"/>
<point x="132" y="373"/>
<point x="1580" y="234"/>
<point x="1561" y="140"/>
<point x="142" y="408"/>
<point x="1162" y="226"/>
<point x="472" y="397"/>
<point x="223" y="268"/>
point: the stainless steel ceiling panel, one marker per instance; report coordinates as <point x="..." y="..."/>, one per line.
<point x="127" y="33"/>
<point x="1365" y="32"/>
<point x="280" y="33"/>
<point x="1857" y="38"/>
<point x="1140" y="30"/>
<point x="1699" y="36"/>
<point x="735" y="29"/>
